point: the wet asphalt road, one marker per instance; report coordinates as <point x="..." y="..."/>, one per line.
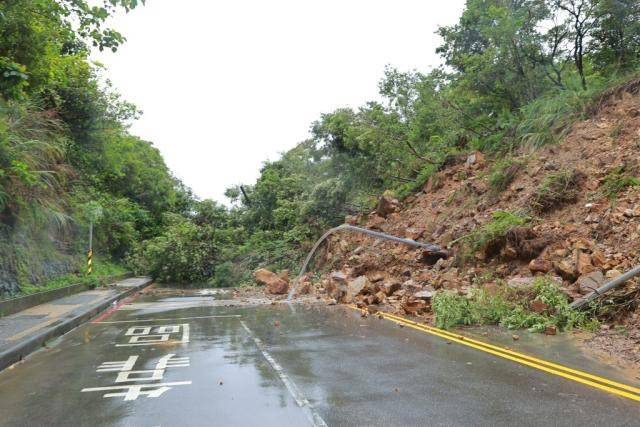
<point x="175" y="360"/>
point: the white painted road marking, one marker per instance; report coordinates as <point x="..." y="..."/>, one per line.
<point x="135" y="390"/>
<point x="125" y="371"/>
<point x="164" y="320"/>
<point x="125" y="365"/>
<point x="312" y="415"/>
<point x="150" y="335"/>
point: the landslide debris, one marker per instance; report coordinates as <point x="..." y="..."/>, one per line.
<point x="569" y="212"/>
<point x="276" y="284"/>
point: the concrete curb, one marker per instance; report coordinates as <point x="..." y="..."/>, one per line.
<point x="14" y="305"/>
<point x="30" y="344"/>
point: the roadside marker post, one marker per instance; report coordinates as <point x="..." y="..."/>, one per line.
<point x="90" y="252"/>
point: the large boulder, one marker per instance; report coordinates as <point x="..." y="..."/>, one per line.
<point x="590" y="282"/>
<point x="539" y="265"/>
<point x="275" y="284"/>
<point x="386" y="205"/>
<point x="356" y="286"/>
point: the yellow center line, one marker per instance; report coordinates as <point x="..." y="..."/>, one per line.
<point x="523" y="356"/>
<point x="586" y="378"/>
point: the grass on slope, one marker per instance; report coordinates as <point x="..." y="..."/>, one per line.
<point x="102" y="270"/>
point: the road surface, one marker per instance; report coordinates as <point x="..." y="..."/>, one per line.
<point x="171" y="358"/>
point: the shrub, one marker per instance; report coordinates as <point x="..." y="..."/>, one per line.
<point x="183" y="253"/>
<point x="547" y="119"/>
<point x="558" y="312"/>
<point x="504" y="308"/>
<point x="616" y="181"/>
<point x="555" y="190"/>
<point x="502" y="174"/>
<point x="492" y="233"/>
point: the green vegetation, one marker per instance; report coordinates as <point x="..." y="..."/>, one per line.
<point x="104" y="270"/>
<point x="493" y="233"/>
<point x="556" y="189"/>
<point x="503" y="172"/>
<point x="546" y="306"/>
<point x="64" y="146"/>
<point x="514" y="74"/>
<point x="617" y="180"/>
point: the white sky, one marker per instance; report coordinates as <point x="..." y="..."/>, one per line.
<point x="226" y="85"/>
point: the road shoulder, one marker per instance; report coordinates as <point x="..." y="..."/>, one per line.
<point x="26" y="331"/>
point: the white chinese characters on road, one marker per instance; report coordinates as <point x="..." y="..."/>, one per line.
<point x="150" y="335"/>
<point x="131" y="383"/>
<point x="126" y="374"/>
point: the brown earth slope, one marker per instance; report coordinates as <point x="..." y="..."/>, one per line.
<point x="585" y="226"/>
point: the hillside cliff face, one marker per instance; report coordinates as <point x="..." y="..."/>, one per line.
<point x="35" y="256"/>
<point x="569" y="212"/>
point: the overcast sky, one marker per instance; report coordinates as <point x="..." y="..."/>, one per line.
<point x="226" y="85"/>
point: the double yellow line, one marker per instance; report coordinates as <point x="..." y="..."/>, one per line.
<point x="585" y="378"/>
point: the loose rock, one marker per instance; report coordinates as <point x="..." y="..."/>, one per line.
<point x="275" y="284"/>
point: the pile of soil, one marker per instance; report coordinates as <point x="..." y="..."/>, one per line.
<point x="579" y="234"/>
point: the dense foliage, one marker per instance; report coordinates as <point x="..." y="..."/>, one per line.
<point x="515" y="72"/>
<point x="64" y="145"/>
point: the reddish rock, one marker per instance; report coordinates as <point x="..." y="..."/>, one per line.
<point x="423" y="295"/>
<point x="339" y="292"/>
<point x="475" y="158"/>
<point x="414" y="233"/>
<point x="376" y="223"/>
<point x="583" y="263"/>
<point x="612" y="274"/>
<point x="355" y="287"/>
<point x="304" y="288"/>
<point x="566" y="269"/>
<point x="414" y="306"/>
<point x="538" y="306"/>
<point x="598" y="259"/>
<point x="550" y="330"/>
<point x="589" y="282"/>
<point x="411" y="286"/>
<point x="376" y="277"/>
<point x="351" y="219"/>
<point x="380" y="297"/>
<point x="275" y="284"/>
<point x="539" y="265"/>
<point x="390" y="287"/>
<point x="386" y="205"/>
<point x="284" y="275"/>
<point x="338" y="276"/>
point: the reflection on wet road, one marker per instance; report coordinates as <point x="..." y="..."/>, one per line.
<point x="170" y="358"/>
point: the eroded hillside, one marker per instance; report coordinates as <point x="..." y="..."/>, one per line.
<point x="568" y="212"/>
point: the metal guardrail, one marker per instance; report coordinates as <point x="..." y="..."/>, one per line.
<point x="435" y="248"/>
<point x="606" y="287"/>
<point x="347" y="227"/>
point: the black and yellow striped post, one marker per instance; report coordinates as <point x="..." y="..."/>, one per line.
<point x="90" y="251"/>
<point x="89" y="262"/>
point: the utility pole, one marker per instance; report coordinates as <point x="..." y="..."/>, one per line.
<point x="244" y="193"/>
